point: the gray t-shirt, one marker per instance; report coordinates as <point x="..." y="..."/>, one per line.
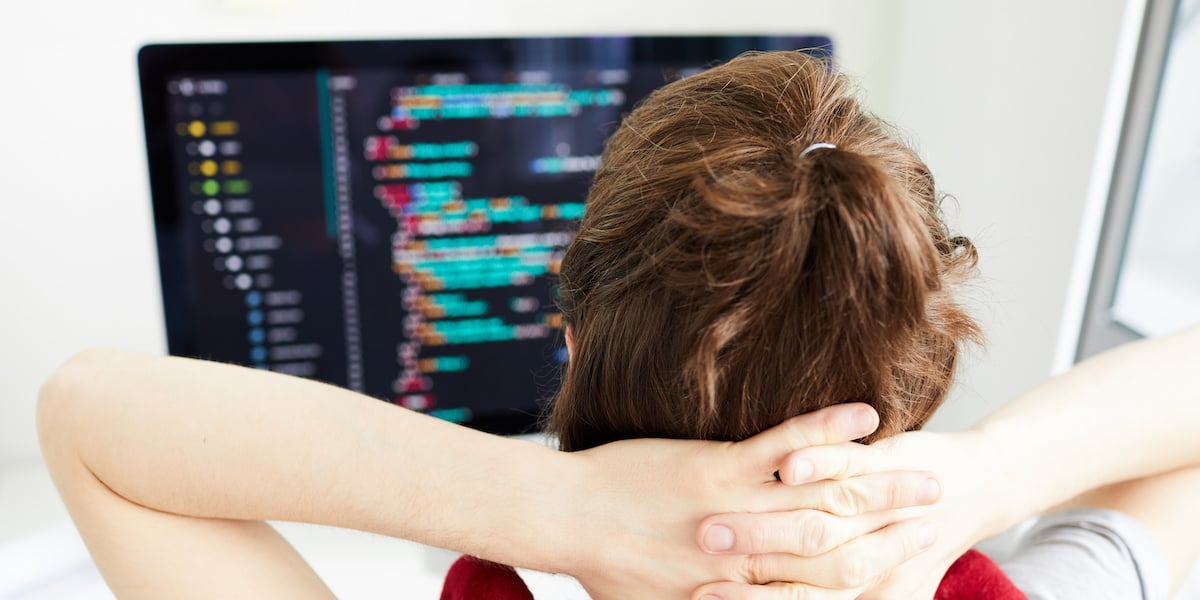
<point x="1089" y="554"/>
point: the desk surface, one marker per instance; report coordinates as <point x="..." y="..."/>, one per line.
<point x="44" y="558"/>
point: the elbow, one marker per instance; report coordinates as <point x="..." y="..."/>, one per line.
<point x="62" y="400"/>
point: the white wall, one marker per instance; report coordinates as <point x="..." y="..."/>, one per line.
<point x="1004" y="99"/>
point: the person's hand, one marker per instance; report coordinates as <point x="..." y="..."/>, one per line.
<point x="971" y="507"/>
<point x="828" y="538"/>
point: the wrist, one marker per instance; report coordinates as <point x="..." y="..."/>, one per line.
<point x="557" y="513"/>
<point x="544" y="520"/>
<point x="511" y="501"/>
<point x="590" y="511"/>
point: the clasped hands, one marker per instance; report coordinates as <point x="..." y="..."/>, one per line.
<point x="798" y="512"/>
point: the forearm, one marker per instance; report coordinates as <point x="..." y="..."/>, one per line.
<point x="207" y="440"/>
<point x="168" y="465"/>
<point x="1124" y="414"/>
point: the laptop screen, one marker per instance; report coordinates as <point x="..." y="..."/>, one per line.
<point x="389" y="216"/>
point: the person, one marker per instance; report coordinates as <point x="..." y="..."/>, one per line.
<point x="757" y="246"/>
<point x="170" y="466"/>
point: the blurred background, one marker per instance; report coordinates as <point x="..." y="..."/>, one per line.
<point x="1008" y="102"/>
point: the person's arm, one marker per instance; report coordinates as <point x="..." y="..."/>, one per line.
<point x="1126" y="414"/>
<point x="169" y="466"/>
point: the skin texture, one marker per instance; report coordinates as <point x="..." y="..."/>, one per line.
<point x="169" y="467"/>
<point x="1117" y="431"/>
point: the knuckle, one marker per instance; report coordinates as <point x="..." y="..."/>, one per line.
<point x="855" y="572"/>
<point x="835" y="424"/>
<point x="799" y="432"/>
<point x="754" y="568"/>
<point x="816" y="534"/>
<point x="844" y="498"/>
<point x="899" y="494"/>
<point x="911" y="544"/>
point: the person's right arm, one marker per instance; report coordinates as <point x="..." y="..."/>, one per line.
<point x="169" y="465"/>
<point x="1126" y="414"/>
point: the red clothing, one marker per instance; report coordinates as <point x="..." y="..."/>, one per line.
<point x="975" y="577"/>
<point x="972" y="577"/>
<point x="470" y="578"/>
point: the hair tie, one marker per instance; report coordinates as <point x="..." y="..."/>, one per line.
<point x="817" y="146"/>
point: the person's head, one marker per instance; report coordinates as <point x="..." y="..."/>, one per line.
<point x="721" y="281"/>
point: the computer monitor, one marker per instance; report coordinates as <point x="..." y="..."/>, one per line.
<point x="389" y="216"/>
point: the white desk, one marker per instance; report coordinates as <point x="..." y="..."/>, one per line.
<point x="42" y="557"/>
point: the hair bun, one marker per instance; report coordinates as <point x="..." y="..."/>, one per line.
<point x="869" y="250"/>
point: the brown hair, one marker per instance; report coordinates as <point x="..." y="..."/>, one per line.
<point x="721" y="282"/>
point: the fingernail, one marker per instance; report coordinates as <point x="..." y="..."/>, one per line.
<point x="710" y="597"/>
<point x="930" y="491"/>
<point x="802" y="470"/>
<point x="864" y="420"/>
<point x="926" y="536"/>
<point x="718" y="538"/>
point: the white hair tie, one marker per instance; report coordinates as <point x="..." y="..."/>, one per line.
<point x="817" y="146"/>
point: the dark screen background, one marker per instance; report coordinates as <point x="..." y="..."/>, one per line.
<point x="279" y="250"/>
